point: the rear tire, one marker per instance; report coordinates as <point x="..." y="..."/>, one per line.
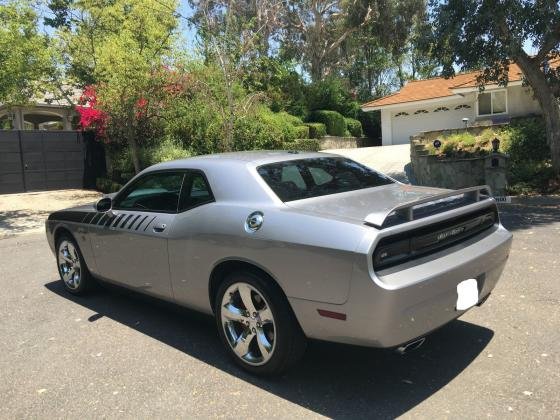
<point x="72" y="268"/>
<point x="257" y="325"/>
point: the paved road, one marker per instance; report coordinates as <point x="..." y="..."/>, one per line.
<point x="117" y="355"/>
<point x="391" y="160"/>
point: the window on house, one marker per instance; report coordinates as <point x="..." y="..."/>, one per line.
<point x="421" y="111"/>
<point x="441" y="109"/>
<point x="401" y="114"/>
<point x="492" y="103"/>
<point x="463" y="106"/>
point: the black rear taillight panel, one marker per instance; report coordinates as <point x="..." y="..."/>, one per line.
<point x="418" y="242"/>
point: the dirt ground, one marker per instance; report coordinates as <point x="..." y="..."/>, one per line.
<point x="26" y="213"/>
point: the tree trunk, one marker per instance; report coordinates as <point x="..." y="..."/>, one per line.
<point x="132" y="143"/>
<point x="549" y="105"/>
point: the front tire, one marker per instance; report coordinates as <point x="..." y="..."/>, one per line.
<point x="71" y="266"/>
<point x="257" y="325"/>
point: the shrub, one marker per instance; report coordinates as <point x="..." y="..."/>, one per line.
<point x="334" y="122"/>
<point x="302" y="132"/>
<point x="316" y="130"/>
<point x="311" y="145"/>
<point x="331" y="93"/>
<point x="525" y="139"/>
<point x="162" y="152"/>
<point x="354" y="127"/>
<point x="107" y="186"/>
<point x="264" y="130"/>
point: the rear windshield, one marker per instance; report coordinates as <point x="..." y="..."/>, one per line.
<point x="306" y="178"/>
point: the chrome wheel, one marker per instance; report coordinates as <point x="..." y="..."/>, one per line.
<point x="69" y="264"/>
<point x="248" y="323"/>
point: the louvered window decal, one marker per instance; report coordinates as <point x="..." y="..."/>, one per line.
<point x="149" y="223"/>
<point x="141" y="221"/>
<point x="133" y="221"/>
<point x="125" y="220"/>
<point x="117" y="220"/>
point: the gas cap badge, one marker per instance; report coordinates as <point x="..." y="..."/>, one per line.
<point x="254" y="222"/>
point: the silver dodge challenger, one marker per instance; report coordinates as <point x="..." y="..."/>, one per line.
<point x="284" y="246"/>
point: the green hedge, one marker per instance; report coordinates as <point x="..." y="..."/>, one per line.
<point x="316" y="130"/>
<point x="302" y="132"/>
<point x="354" y="127"/>
<point x="334" y="122"/>
<point x="311" y="145"/>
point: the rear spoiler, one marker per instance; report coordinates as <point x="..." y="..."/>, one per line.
<point x="406" y="210"/>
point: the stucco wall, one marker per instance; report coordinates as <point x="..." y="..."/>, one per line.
<point x="521" y="102"/>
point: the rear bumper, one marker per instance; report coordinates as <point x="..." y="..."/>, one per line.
<point x="394" y="306"/>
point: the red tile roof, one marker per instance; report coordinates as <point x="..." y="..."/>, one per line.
<point x="437" y="87"/>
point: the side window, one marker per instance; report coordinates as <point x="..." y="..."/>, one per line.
<point x="157" y="192"/>
<point x="197" y="192"/>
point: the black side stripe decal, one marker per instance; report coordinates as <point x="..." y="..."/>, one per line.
<point x="101" y="220"/>
<point x="109" y="220"/>
<point x="149" y="223"/>
<point x="126" y="219"/>
<point x="141" y="221"/>
<point x="117" y="220"/>
<point x="88" y="217"/>
<point x="133" y="221"/>
<point x="95" y="218"/>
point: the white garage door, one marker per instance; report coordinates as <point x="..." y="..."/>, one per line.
<point x="410" y="123"/>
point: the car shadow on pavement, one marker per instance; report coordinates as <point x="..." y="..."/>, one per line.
<point x="332" y="380"/>
<point x="530" y="212"/>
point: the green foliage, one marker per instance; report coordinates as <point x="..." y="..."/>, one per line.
<point x="316" y="130"/>
<point x="311" y="145"/>
<point x="354" y="127"/>
<point x="164" y="151"/>
<point x="25" y="56"/>
<point x="334" y="122"/>
<point x="107" y="186"/>
<point x="265" y="130"/>
<point x="525" y="139"/>
<point x="302" y="132"/>
<point x="331" y="94"/>
<point x="371" y="123"/>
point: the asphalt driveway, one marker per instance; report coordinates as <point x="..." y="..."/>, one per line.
<point x="114" y="354"/>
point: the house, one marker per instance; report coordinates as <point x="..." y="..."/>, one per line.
<point x="45" y="113"/>
<point x="439" y="103"/>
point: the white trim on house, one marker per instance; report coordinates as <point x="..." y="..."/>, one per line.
<point x="413" y="103"/>
<point x="469" y="89"/>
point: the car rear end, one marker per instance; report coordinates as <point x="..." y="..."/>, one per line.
<point x="421" y="265"/>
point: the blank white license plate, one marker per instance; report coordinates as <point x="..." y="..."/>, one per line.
<point x="467" y="294"/>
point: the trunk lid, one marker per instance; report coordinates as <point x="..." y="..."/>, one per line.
<point x="356" y="205"/>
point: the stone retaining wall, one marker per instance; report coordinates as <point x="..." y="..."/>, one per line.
<point x="333" y="142"/>
<point x="453" y="173"/>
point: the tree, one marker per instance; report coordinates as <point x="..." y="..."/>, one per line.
<point x="25" y="58"/>
<point x="314" y="30"/>
<point x="124" y="48"/>
<point x="491" y="34"/>
<point x="233" y="35"/>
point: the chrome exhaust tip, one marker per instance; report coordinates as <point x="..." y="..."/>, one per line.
<point x="413" y="345"/>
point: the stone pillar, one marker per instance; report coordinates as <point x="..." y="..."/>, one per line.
<point x="495" y="166"/>
<point x="18" y="118"/>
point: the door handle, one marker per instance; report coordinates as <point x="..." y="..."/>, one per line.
<point x="160" y="227"/>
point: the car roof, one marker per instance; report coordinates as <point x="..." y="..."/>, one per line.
<point x="256" y="157"/>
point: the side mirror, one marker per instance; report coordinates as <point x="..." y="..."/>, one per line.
<point x="104" y="204"/>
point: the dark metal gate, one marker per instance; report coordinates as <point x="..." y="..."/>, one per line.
<point x="40" y="160"/>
